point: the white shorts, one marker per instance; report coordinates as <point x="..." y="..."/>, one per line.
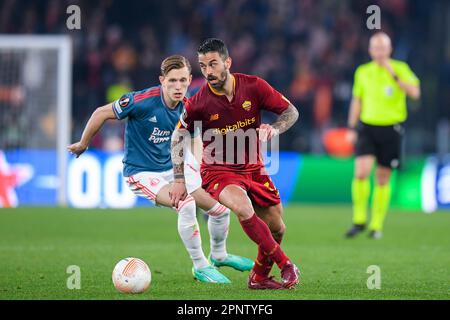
<point x="147" y="184"/>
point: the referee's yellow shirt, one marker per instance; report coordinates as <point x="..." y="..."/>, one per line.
<point x="383" y="102"/>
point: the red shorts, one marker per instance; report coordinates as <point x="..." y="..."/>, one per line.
<point x="259" y="187"/>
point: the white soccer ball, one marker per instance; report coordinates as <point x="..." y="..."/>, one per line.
<point x="131" y="275"/>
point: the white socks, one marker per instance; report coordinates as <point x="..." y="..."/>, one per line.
<point x="190" y="232"/>
<point x="218" y="224"/>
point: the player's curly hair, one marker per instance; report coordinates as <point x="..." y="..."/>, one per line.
<point x="213" y="45"/>
<point x="174" y="62"/>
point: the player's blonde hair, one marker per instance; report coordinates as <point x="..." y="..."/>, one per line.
<point x="174" y="62"/>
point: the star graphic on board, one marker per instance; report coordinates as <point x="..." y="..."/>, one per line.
<point x="12" y="177"/>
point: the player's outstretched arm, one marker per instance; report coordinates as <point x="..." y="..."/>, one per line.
<point x="96" y="121"/>
<point x="285" y="120"/>
<point x="178" y="190"/>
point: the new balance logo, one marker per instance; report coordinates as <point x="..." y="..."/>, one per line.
<point x="153" y="119"/>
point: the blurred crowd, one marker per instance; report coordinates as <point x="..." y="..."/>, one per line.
<point x="306" y="49"/>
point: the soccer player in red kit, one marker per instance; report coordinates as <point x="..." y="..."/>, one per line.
<point x="227" y="108"/>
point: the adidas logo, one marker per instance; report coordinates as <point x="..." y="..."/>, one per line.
<point x="152" y="119"/>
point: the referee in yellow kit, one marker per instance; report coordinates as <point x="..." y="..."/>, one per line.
<point x="377" y="111"/>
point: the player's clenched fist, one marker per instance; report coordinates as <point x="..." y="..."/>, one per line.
<point x="266" y="132"/>
<point x="177" y="192"/>
<point x="77" y="148"/>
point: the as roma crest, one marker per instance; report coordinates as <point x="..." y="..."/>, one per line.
<point x="247" y="105"/>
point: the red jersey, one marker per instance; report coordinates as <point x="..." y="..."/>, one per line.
<point x="228" y="128"/>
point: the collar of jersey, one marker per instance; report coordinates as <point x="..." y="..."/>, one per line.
<point x="217" y="93"/>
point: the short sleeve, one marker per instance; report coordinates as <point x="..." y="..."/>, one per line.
<point x="270" y="98"/>
<point x="124" y="106"/>
<point x="188" y="117"/>
<point x="357" y="90"/>
<point x="407" y="75"/>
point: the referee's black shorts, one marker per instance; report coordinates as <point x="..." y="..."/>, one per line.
<point x="384" y="142"/>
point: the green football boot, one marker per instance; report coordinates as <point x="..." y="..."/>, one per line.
<point x="236" y="262"/>
<point x="209" y="274"/>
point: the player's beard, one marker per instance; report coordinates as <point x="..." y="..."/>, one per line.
<point x="220" y="82"/>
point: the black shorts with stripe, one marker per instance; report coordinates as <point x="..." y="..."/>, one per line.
<point x="384" y="142"/>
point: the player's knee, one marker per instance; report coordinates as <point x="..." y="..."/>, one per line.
<point x="278" y="233"/>
<point x="362" y="174"/>
<point x="244" y="212"/>
<point x="382" y="181"/>
<point x="280" y="227"/>
<point x="362" y="170"/>
<point x="383" y="177"/>
<point x="239" y="204"/>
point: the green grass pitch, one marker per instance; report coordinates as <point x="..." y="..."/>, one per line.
<point x="38" y="244"/>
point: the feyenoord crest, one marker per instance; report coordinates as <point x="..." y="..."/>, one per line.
<point x="123" y="102"/>
<point x="247" y="105"/>
<point x="154" y="181"/>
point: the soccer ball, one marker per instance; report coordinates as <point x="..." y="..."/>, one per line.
<point x="131" y="275"/>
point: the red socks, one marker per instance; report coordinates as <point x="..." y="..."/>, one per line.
<point x="259" y="232"/>
<point x="263" y="263"/>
